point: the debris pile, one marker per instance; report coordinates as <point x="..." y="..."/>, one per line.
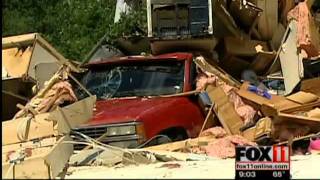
<point x="257" y="62"/>
<point x="39" y="132"/>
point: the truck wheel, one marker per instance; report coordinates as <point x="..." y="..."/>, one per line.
<point x="163" y="140"/>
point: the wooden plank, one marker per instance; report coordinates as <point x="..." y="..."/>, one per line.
<point x="304" y="107"/>
<point x="279" y="102"/>
<point x="299" y="119"/>
<point x="249" y="133"/>
<point x="174" y="146"/>
<point x="263" y="127"/>
<point x="297" y="139"/>
<point x="16" y="62"/>
<point x="224" y="110"/>
<point x="20" y="40"/>
<point x="29" y="144"/>
<point x="303" y="97"/>
<point x="39" y="127"/>
<point x="315" y="113"/>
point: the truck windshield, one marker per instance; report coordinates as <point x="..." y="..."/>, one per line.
<point x="135" y="79"/>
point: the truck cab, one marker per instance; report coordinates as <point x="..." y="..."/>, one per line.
<point x="142" y="98"/>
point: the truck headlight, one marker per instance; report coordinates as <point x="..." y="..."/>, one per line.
<point x="121" y="130"/>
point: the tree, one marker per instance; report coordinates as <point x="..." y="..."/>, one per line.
<point x="72" y="26"/>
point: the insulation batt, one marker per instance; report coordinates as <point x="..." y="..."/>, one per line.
<point x="307" y="37"/>
<point x="223" y="146"/>
<point x="245" y="111"/>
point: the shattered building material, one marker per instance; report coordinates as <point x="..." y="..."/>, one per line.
<point x="213" y="142"/>
<point x="101" y="50"/>
<point x="275" y="42"/>
<point x="24" y="129"/>
<point x="241" y="54"/>
<point x="33" y="50"/>
<point x="43" y="125"/>
<point x="41" y="115"/>
<point x="311" y="85"/>
<point x="178" y="18"/>
<point x="206" y="79"/>
<point x="14" y="91"/>
<point x="268" y="21"/>
<point x="223" y="20"/>
<point x="224" y="109"/>
<point x="303" y="97"/>
<point x="225" y="147"/>
<point x="179" y="145"/>
<point x="257" y="101"/>
<point x="216" y="70"/>
<point x="260" y="132"/>
<point x="27" y="60"/>
<point x="42" y="120"/>
<point x="285" y="7"/>
<point x="308" y="38"/>
<point x="42" y="159"/>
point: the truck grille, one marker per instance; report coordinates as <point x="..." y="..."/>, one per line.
<point x="93" y="132"/>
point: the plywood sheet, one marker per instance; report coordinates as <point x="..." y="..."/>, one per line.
<point x="303" y="97"/>
<point x="45" y="163"/>
<point x="16" y="61"/>
<point x="225" y="111"/>
<point x="39" y="127"/>
<point x="12" y="41"/>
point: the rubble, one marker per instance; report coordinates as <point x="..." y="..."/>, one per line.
<point x="28" y="61"/>
<point x="243" y="50"/>
<point x="36" y="135"/>
<point x="307" y="36"/>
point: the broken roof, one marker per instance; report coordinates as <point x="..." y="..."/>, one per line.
<point x="13" y="45"/>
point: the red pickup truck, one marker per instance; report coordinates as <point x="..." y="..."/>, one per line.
<point x="133" y="103"/>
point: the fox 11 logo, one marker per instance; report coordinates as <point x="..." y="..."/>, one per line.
<point x="271" y="162"/>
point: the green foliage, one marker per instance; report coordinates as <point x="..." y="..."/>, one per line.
<point x="73" y="27"/>
<point x="129" y="24"/>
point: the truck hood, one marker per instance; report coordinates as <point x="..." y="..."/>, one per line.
<point x="127" y="110"/>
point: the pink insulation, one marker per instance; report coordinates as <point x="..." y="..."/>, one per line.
<point x="223" y="146"/>
<point x="245" y="111"/>
<point x="307" y="37"/>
